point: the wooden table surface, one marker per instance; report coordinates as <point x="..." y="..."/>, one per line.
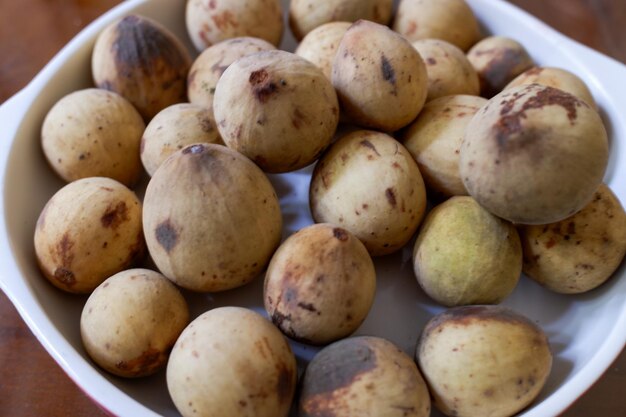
<point x="32" y="31"/>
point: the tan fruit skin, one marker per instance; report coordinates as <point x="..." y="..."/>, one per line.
<point x="93" y="133"/>
<point x="450" y="20"/>
<point x="369" y="184"/>
<point x="320" y="45"/>
<point x="211" y="218"/>
<point x="212" y="21"/>
<point x="483" y="361"/>
<point x="89" y="230"/>
<point x="172" y="129"/>
<point x="465" y="255"/>
<point x="320" y="284"/>
<point x="209" y="66"/>
<point x="276" y="108"/>
<point x="581" y="252"/>
<point x="307" y="15"/>
<point x="534" y="155"/>
<point x="232" y="362"/>
<point x="131" y="321"/>
<point x="363" y="376"/>
<point x="380" y="78"/>
<point x="434" y="140"/>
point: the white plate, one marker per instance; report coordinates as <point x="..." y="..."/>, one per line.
<point x="586" y="332"/>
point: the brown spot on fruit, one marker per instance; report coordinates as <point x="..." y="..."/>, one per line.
<point x="431" y="61"/>
<point x="369" y="145"/>
<point x="285" y="383"/>
<point x="308" y="306"/>
<point x="64" y="251"/>
<point x="355" y="358"/>
<point x="340" y="234"/>
<point x="167" y="235"/>
<point x="114" y="215"/>
<point x="225" y="19"/>
<point x="391" y="197"/>
<point x="510" y="121"/>
<point x="262" y="86"/>
<point x="65" y="276"/>
<point x="389" y="74"/>
<point x="148" y="361"/>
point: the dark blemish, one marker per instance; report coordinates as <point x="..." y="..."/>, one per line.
<point x="114" y="215"/>
<point x="166" y="235"/>
<point x="65" y="255"/>
<point x="391" y="197"/>
<point x="212" y="4"/>
<point x="319" y="278"/>
<point x="308" y="306"/>
<point x="369" y="145"/>
<point x="431" y="61"/>
<point x="488" y="392"/>
<point x="365" y="206"/>
<point x="243" y="403"/>
<point x="65" y="276"/>
<point x="571" y="228"/>
<point x="550" y="243"/>
<point x="148" y="361"/>
<point x="262" y="87"/>
<point x="498" y="71"/>
<point x="510" y="122"/>
<point x="278" y="318"/>
<point x="354" y="355"/>
<point x="340" y="234"/>
<point x="297" y="118"/>
<point x="205" y="123"/>
<point x="389" y="73"/>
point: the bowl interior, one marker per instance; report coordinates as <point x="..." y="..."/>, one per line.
<point x="576" y="325"/>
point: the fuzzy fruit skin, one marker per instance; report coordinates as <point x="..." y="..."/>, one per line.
<point x="89" y="230"/>
<point x="209" y="66"/>
<point x="172" y="129"/>
<point x="256" y="367"/>
<point x="498" y="60"/>
<point x="93" y="133"/>
<point x="131" y="321"/>
<point x="142" y="61"/>
<point x="580" y="252"/>
<point x="449" y="20"/>
<point x="320" y="284"/>
<point x="466" y="255"/>
<point x="534" y="154"/>
<point x="276" y="108"/>
<point x="434" y="140"/>
<point x="363" y="376"/>
<point x="307" y="15"/>
<point x="483" y="361"/>
<point x="209" y="22"/>
<point x="381" y="80"/>
<point x="369" y="184"/>
<point x="211" y="218"/>
<point x="557" y="78"/>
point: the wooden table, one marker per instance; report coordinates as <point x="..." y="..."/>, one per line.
<point x="32" y="31"/>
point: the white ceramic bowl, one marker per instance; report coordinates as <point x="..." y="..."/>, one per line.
<point x="586" y="332"/>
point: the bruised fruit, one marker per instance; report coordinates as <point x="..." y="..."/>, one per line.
<point x="363" y="376"/>
<point x="307" y="15"/>
<point x="209" y="22"/>
<point x="142" y="61"/>
<point x="320" y="284"/>
<point x="172" y="129"/>
<point x="89" y="230"/>
<point x="449" y="20"/>
<point x="483" y="361"/>
<point x="211" y="218"/>
<point x="580" y="252"/>
<point x="231" y="362"/>
<point x="380" y="78"/>
<point x="534" y="154"/>
<point x="434" y="140"/>
<point x="498" y="60"/>
<point x="557" y="78"/>
<point x="276" y="108"/>
<point x="209" y="66"/>
<point x="369" y="184"/>
<point x="466" y="255"/>
<point x="93" y="133"/>
<point x="131" y="321"/>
